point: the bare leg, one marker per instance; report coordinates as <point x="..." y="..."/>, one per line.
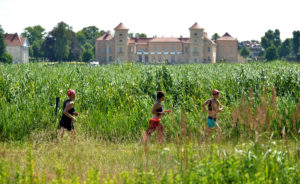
<point x="60" y="134"/>
<point x="73" y="135"/>
<point x="207" y="133"/>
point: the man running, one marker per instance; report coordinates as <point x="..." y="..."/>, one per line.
<point x="213" y="110"/>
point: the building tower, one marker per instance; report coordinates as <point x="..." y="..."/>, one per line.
<point x="196" y="43"/>
<point x="121" y="42"/>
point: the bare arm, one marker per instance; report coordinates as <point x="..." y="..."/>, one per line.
<point x="155" y="107"/>
<point x="216" y="107"/>
<point x="69" y="106"/>
<point x="204" y="106"/>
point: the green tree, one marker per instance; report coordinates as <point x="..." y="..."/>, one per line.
<point x="2" y="42"/>
<point x="285" y="48"/>
<point x="33" y="34"/>
<point x="215" y="36"/>
<point x="245" y="52"/>
<point x="140" y="35"/>
<point x="267" y="40"/>
<point x="48" y="47"/>
<point x="6" y="58"/>
<point x="296" y="41"/>
<point x="87" y="55"/>
<point x="62" y="34"/>
<point x="271" y="53"/>
<point x="276" y="38"/>
<point x="75" y="49"/>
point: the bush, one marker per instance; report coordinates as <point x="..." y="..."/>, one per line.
<point x="6" y="58"/>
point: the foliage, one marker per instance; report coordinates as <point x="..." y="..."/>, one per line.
<point x="296" y="41"/>
<point x="245" y="52"/>
<point x="286" y="48"/>
<point x="271" y="53"/>
<point x="87" y="55"/>
<point x="2" y="42"/>
<point x="6" y="58"/>
<point x="115" y="100"/>
<point x="215" y="36"/>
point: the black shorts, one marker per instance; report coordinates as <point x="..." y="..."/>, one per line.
<point x="67" y="125"/>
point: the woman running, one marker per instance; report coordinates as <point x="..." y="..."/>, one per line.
<point x="158" y="112"/>
<point x="213" y="110"/>
<point x="67" y="119"/>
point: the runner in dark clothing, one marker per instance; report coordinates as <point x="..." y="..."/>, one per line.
<point x="67" y="119"/>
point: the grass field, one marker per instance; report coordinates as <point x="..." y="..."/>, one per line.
<point x="259" y="142"/>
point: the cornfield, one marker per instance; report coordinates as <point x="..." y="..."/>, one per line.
<point x="115" y="101"/>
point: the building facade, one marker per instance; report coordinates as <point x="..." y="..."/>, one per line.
<point x="18" y="47"/>
<point x="197" y="48"/>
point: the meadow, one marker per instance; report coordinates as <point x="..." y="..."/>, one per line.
<point x="258" y="143"/>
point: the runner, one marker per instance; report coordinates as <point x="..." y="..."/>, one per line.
<point x="158" y="112"/>
<point x="67" y="119"/>
<point x="213" y="110"/>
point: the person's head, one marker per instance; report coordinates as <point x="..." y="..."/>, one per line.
<point x="71" y="94"/>
<point x="160" y="96"/>
<point x="215" y="93"/>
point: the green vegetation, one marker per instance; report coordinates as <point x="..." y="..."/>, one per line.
<point x="259" y="142"/>
<point x="114" y="101"/>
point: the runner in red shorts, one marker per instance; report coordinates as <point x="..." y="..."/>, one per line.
<point x="158" y="112"/>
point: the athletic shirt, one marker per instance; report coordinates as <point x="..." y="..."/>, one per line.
<point x="210" y="105"/>
<point x="65" y="118"/>
<point x="159" y="109"/>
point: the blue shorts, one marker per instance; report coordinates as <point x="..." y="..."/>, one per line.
<point x="211" y="122"/>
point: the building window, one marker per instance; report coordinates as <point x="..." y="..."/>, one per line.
<point x="222" y="50"/>
<point x="195" y="40"/>
<point x="110" y="58"/>
<point x="121" y="50"/>
<point x="121" y="41"/>
<point x="195" y="60"/>
<point x="208" y="58"/>
<point x="155" y="50"/>
<point x="120" y="34"/>
<point x="105" y="50"/>
<point x="195" y="49"/>
<point x="186" y="49"/>
<point x="174" y="49"/>
<point x="195" y="34"/>
<point x="110" y="50"/>
<point x="99" y="49"/>
<point x="208" y="49"/>
<point x="165" y="50"/>
<point x="231" y="50"/>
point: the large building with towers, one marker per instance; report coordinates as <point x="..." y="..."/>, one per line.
<point x="197" y="48"/>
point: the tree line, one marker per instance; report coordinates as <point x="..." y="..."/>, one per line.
<point x="273" y="47"/>
<point x="63" y="44"/>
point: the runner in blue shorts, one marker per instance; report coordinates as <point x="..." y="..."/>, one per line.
<point x="213" y="110"/>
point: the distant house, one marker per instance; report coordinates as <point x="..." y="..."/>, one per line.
<point x="18" y="47"/>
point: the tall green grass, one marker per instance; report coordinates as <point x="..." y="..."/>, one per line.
<point x="115" y="100"/>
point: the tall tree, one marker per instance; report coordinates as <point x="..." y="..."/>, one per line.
<point x="2" y="42"/>
<point x="62" y="34"/>
<point x="267" y="40"/>
<point x="285" y="48"/>
<point x="215" y="36"/>
<point x="296" y="41"/>
<point x="33" y="34"/>
<point x="75" y="50"/>
<point x="276" y="38"/>
<point x="271" y="53"/>
<point x="48" y="47"/>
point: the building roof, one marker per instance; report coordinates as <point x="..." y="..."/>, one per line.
<point x="165" y="39"/>
<point x="226" y="36"/>
<point x="121" y="26"/>
<point x="14" y="40"/>
<point x="106" y="36"/>
<point x="196" y="26"/>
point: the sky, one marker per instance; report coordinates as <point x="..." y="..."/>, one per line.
<point x="243" y="19"/>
